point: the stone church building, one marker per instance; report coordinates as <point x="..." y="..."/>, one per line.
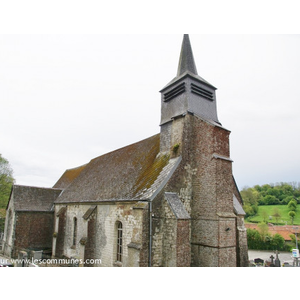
<point x="167" y="201"/>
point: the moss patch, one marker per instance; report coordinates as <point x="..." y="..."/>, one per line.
<point x="150" y="173"/>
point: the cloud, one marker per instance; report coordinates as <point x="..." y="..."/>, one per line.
<point x="66" y="99"/>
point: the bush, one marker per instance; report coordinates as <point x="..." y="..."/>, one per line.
<point x="266" y="241"/>
<point x="292" y="205"/>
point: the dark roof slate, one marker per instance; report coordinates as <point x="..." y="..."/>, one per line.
<point x="238" y="209"/>
<point x="177" y="206"/>
<point x="67" y="178"/>
<point x="89" y="212"/>
<point x="187" y="65"/>
<point x="27" y="198"/>
<point x="125" y="174"/>
<point x="186" y="60"/>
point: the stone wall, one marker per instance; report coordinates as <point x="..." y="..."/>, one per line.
<point x="59" y="234"/>
<point x="242" y="246"/>
<point x="169" y="238"/>
<point x="183" y="245"/>
<point x="97" y="235"/>
<point x="204" y="182"/>
<point x="90" y="245"/>
<point x="8" y="238"/>
<point x="213" y="225"/>
<point x="33" y="230"/>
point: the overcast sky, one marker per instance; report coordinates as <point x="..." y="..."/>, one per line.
<point x="66" y="99"/>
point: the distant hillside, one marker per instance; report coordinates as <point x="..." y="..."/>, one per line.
<point x="266" y="214"/>
<point x="269" y="194"/>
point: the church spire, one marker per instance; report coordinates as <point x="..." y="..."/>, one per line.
<point x="186" y="60"/>
<point x="188" y="92"/>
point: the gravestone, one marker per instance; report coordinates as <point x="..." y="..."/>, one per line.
<point x="259" y="261"/>
<point x="277" y="261"/>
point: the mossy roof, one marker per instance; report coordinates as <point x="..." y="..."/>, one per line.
<point x="28" y="198"/>
<point x="125" y="174"/>
<point x="67" y="178"/>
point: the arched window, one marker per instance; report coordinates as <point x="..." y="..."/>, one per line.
<point x="74" y="231"/>
<point x="119" y="242"/>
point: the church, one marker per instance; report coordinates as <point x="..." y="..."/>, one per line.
<point x="167" y="201"/>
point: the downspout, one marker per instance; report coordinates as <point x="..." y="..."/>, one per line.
<point x="150" y="233"/>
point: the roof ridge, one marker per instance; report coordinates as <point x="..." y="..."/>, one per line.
<point x="36" y="187"/>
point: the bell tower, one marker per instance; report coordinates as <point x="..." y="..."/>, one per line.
<point x="190" y="129"/>
<point x="186" y="93"/>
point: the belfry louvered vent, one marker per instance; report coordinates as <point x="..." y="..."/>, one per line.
<point x="202" y="92"/>
<point x="180" y="89"/>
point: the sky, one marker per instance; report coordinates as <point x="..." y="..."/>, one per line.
<point x="66" y="99"/>
<point x="70" y="92"/>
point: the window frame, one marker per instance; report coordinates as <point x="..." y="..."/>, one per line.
<point x="75" y="226"/>
<point x="119" y="241"/>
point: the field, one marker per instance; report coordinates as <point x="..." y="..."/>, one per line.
<point x="283" y="209"/>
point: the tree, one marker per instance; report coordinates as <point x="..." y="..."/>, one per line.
<point x="250" y="198"/>
<point x="287" y="200"/>
<point x="276" y="214"/>
<point x="269" y="200"/>
<point x="292" y="215"/>
<point x="264" y="215"/>
<point x="292" y="205"/>
<point x="6" y="182"/>
<point x="254" y="239"/>
<point x="264" y="230"/>
<point x="278" y="242"/>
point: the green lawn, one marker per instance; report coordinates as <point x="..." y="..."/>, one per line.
<point x="283" y="209"/>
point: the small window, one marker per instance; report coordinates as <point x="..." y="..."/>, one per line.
<point x="74" y="231"/>
<point x="119" y="242"/>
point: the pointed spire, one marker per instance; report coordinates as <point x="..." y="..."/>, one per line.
<point x="186" y="60"/>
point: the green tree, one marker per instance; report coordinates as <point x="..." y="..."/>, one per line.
<point x="292" y="205"/>
<point x="293" y="239"/>
<point x="276" y="214"/>
<point x="264" y="215"/>
<point x="250" y="198"/>
<point x="269" y="242"/>
<point x="287" y="200"/>
<point x="272" y="194"/>
<point x="292" y="215"/>
<point x="264" y="230"/>
<point x="269" y="200"/>
<point x="248" y="210"/>
<point x="254" y="239"/>
<point x="6" y="182"/>
<point x="278" y="242"/>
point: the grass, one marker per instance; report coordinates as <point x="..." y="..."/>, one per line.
<point x="283" y="209"/>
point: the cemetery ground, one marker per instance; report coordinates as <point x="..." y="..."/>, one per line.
<point x="265" y="255"/>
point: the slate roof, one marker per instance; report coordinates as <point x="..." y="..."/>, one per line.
<point x="186" y="60"/>
<point x="238" y="209"/>
<point x="135" y="172"/>
<point x="89" y="212"/>
<point x="67" y="178"/>
<point x="186" y="65"/>
<point x="177" y="206"/>
<point x="27" y="198"/>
